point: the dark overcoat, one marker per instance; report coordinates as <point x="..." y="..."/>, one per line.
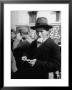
<point x="48" y="57"/>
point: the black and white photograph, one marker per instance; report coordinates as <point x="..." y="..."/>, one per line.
<point x="35" y="44"/>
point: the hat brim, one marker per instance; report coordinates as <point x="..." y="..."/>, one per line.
<point x="47" y="27"/>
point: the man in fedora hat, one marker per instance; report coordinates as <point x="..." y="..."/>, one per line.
<point x="45" y="53"/>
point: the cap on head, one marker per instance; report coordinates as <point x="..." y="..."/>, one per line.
<point x="23" y="29"/>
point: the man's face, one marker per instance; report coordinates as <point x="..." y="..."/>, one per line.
<point x="24" y="35"/>
<point x="42" y="33"/>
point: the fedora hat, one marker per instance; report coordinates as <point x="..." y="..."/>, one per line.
<point x="41" y="22"/>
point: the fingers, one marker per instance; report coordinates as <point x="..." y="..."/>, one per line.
<point x="19" y="36"/>
<point x="24" y="58"/>
<point x="31" y="62"/>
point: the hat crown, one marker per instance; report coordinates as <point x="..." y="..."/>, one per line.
<point x="42" y="21"/>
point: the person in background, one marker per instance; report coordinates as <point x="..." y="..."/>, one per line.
<point x="13" y="37"/>
<point x="13" y="61"/>
<point x="22" y="37"/>
<point x="21" y="48"/>
<point x="13" y="64"/>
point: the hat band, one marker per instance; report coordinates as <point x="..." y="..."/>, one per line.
<point x="40" y="24"/>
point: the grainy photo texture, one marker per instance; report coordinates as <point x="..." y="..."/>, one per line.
<point x="35" y="44"/>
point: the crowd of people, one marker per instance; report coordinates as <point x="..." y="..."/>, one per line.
<point x="37" y="58"/>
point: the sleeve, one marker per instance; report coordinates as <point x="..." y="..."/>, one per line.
<point x="53" y="63"/>
<point x="45" y="66"/>
<point x="17" y="44"/>
<point x="56" y="56"/>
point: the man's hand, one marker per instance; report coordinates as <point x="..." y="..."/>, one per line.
<point x="29" y="39"/>
<point x="32" y="62"/>
<point x="24" y="58"/>
<point x="17" y="41"/>
<point x="19" y="37"/>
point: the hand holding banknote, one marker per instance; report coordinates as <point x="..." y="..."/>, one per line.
<point x="30" y="61"/>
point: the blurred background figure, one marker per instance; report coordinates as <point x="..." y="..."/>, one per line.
<point x="13" y="37"/>
<point x="13" y="62"/>
<point x="22" y="37"/>
<point x="21" y="48"/>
